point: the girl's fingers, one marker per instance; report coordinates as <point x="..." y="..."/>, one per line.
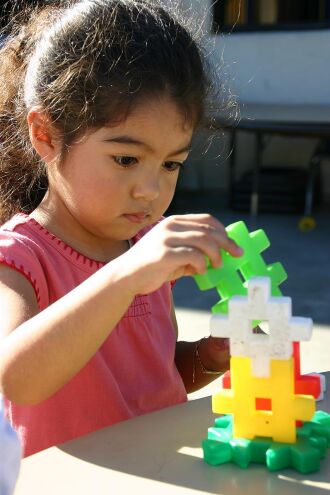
<point x="196" y="220"/>
<point x="193" y="260"/>
<point x="199" y="246"/>
<point x="178" y="246"/>
<point x="232" y="248"/>
<point x="208" y="243"/>
<point x="210" y="227"/>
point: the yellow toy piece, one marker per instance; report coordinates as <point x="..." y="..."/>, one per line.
<point x="306" y="224"/>
<point x="286" y="407"/>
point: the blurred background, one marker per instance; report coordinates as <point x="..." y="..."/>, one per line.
<point x="274" y="57"/>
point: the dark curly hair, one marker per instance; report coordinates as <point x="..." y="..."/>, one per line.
<point x="86" y="63"/>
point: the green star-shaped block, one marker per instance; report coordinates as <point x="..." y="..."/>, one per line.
<point x="231" y="278"/>
<point x="313" y="440"/>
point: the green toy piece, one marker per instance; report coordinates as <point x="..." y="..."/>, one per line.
<point x="231" y="278"/>
<point x="304" y="456"/>
<point x="220" y="447"/>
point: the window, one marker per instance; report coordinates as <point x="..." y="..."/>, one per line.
<point x="247" y="15"/>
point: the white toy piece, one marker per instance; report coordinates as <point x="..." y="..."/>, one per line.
<point x="259" y="305"/>
<point x="323" y="384"/>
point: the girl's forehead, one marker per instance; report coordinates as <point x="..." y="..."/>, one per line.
<point x="161" y="108"/>
<point x="163" y="136"/>
<point x="154" y="116"/>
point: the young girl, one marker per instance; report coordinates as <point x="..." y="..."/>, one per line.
<point x="99" y="102"/>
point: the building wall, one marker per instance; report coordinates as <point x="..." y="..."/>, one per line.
<point x="270" y="67"/>
<point x="278" y="67"/>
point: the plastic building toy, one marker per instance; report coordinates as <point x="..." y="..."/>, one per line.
<point x="313" y="439"/>
<point x="311" y="384"/>
<point x="270" y="422"/>
<point x="323" y="384"/>
<point x="306" y="384"/>
<point x="279" y="422"/>
<point x="259" y="305"/>
<point x="230" y="279"/>
<point x="271" y="404"/>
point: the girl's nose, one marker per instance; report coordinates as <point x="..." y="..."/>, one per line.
<point x="147" y="188"/>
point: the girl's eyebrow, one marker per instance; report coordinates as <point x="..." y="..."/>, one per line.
<point x="136" y="142"/>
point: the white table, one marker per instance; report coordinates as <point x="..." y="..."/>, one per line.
<point x="156" y="454"/>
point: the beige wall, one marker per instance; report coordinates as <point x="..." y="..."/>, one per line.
<point x="273" y="67"/>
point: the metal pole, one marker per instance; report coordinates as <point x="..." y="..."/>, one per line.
<point x="254" y="206"/>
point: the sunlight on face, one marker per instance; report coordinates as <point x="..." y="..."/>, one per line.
<point x="121" y="178"/>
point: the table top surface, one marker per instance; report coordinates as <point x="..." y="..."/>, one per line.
<point x="158" y="453"/>
<point x="286" y="112"/>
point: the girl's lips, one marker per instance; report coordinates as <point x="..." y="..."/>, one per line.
<point x="136" y="217"/>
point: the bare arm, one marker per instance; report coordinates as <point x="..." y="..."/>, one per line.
<point x="48" y="348"/>
<point x="211" y="357"/>
<point x="214" y="354"/>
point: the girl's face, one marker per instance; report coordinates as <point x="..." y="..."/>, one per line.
<point x="122" y="178"/>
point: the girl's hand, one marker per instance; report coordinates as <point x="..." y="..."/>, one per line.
<point x="215" y="353"/>
<point x="176" y="247"/>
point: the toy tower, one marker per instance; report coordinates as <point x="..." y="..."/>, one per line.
<point x="269" y="406"/>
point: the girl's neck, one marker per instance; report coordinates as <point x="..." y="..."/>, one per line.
<point x="90" y="246"/>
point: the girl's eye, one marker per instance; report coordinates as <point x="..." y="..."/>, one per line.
<point x="125" y="161"/>
<point x="172" y="166"/>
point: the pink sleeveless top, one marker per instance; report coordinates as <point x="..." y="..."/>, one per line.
<point x="132" y="373"/>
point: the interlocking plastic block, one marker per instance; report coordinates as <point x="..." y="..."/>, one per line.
<point x="322" y="382"/>
<point x="313" y="384"/>
<point x="225" y="380"/>
<point x="305" y="384"/>
<point x="259" y="305"/>
<point x="304" y="456"/>
<point x="277" y="422"/>
<point x="230" y="278"/>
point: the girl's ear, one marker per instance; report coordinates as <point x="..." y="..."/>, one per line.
<point x="43" y="136"/>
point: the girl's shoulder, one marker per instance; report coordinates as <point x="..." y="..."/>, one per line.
<point x="20" y="250"/>
<point x="13" y="222"/>
<point x="16" y="234"/>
